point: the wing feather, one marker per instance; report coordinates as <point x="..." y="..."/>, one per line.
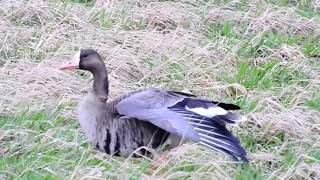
<point x="172" y="111"/>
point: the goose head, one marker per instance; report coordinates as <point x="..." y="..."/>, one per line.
<point x="90" y="60"/>
<point x="85" y="59"/>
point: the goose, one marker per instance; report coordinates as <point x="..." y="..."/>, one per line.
<point x="151" y="117"/>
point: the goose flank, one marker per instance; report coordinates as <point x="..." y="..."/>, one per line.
<point x="151" y="117"/>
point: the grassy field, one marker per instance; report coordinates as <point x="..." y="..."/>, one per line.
<point x="263" y="55"/>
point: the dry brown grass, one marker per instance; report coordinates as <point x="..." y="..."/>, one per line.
<point x="150" y="43"/>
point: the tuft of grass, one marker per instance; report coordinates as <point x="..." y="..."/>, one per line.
<point x="268" y="76"/>
<point x="247" y="173"/>
<point x="311" y="46"/>
<point x="102" y="18"/>
<point x="314" y="103"/>
<point x="222" y="29"/>
<point x="85" y="2"/>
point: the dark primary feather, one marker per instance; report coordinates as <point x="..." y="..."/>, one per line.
<point x="220" y="104"/>
<point x="212" y="131"/>
<point x="229" y="118"/>
<point x="168" y="110"/>
<point x="181" y="93"/>
<point x="226" y="106"/>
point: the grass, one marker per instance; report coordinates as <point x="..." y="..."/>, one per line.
<point x="262" y="55"/>
<point x="314" y="103"/>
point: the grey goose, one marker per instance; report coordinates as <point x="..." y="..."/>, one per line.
<point x="151" y="117"/>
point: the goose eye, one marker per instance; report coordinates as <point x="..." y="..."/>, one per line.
<point x="84" y="56"/>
